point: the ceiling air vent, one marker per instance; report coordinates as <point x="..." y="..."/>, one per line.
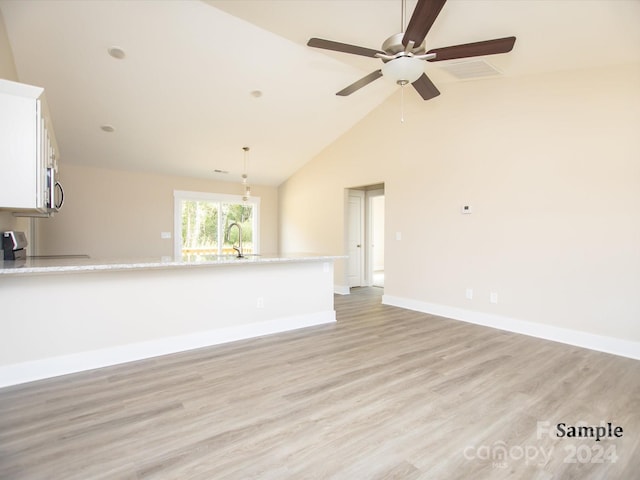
<point x="471" y="69"/>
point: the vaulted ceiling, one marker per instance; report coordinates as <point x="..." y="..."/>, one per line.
<point x="183" y="99"/>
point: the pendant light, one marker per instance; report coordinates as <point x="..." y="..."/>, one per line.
<point x="245" y="184"/>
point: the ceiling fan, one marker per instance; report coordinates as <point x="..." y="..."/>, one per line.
<point x="402" y="54"/>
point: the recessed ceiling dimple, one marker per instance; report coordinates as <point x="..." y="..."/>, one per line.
<point x="256" y="93"/>
<point x="116" y="52"/>
<point x="217" y="170"/>
<point x="107" y="128"/>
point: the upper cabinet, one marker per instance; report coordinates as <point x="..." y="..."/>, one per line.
<point x="28" y="152"/>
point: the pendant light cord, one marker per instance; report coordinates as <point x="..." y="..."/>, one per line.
<point x="244" y="169"/>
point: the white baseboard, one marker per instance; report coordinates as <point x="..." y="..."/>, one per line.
<point x="601" y="343"/>
<point x="341" y="289"/>
<point x="78" y="362"/>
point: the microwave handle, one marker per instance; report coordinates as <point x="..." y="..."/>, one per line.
<point x="59" y="186"/>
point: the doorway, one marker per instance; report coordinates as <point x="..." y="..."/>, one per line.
<point x="365" y="235"/>
<point x="376" y="245"/>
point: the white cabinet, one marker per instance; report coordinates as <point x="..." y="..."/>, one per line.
<point x="28" y="151"/>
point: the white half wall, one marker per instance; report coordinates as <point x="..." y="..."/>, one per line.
<point x="56" y="324"/>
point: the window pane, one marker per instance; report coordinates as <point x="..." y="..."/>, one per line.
<point x="243" y="216"/>
<point x="199" y="228"/>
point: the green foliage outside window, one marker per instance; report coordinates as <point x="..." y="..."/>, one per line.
<point x="199" y="224"/>
<point x="205" y="227"/>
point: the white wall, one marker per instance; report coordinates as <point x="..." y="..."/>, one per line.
<point x="551" y="167"/>
<point x="114" y="213"/>
<point x="7" y="64"/>
<point x="86" y="320"/>
<point x="8" y="72"/>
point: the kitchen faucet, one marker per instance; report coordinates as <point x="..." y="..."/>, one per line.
<point x="238" y="249"/>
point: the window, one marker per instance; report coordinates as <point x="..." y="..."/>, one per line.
<point x="202" y="220"/>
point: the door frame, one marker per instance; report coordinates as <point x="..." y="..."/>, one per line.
<point x="366" y="265"/>
<point x="352" y="192"/>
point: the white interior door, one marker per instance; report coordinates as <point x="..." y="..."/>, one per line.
<point x="356" y="238"/>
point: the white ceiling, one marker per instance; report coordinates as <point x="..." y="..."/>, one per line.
<point x="180" y="101"/>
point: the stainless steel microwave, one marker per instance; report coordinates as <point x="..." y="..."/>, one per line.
<point x="54" y="192"/>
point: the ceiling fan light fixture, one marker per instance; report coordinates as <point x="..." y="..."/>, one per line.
<point x="403" y="70"/>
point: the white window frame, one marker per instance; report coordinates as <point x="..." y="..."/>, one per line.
<point x="180" y="195"/>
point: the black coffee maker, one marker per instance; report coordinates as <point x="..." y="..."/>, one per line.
<point x="14" y="245"/>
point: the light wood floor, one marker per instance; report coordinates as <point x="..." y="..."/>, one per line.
<point x="384" y="393"/>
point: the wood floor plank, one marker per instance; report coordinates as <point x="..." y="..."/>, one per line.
<point x="383" y="393"/>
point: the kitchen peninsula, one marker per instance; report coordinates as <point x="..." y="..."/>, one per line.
<point x="67" y="315"/>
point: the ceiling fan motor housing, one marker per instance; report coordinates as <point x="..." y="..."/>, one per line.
<point x="393" y="45"/>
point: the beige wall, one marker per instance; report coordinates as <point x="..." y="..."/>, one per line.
<point x="8" y="72"/>
<point x="115" y="213"/>
<point x="550" y="165"/>
<point x="7" y="64"/>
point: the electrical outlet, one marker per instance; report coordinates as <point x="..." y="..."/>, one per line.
<point x="465" y="209"/>
<point x="469" y="294"/>
<point x="493" y="297"/>
<point x="165" y="235"/>
<point x="260" y="302"/>
<point x="398" y="236"/>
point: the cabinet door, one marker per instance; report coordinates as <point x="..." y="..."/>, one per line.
<point x="41" y="158"/>
<point x="18" y="147"/>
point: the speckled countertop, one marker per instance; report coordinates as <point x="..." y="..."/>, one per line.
<point x="35" y="266"/>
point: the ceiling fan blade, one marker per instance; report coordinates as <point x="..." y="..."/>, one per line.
<point x="342" y="47"/>
<point x="488" y="47"/>
<point x="424" y="15"/>
<point x="425" y="87"/>
<point x="360" y="83"/>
